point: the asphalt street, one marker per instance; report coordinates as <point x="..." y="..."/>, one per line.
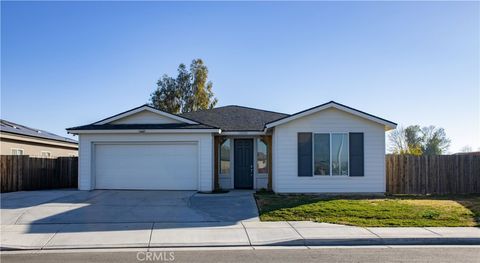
<point x="322" y="254"/>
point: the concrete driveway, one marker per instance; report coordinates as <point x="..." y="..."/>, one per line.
<point x="112" y="206"/>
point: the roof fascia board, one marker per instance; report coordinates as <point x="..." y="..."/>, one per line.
<point x="146" y="131"/>
<point x="388" y="125"/>
<point x="142" y="108"/>
<point x="243" y="133"/>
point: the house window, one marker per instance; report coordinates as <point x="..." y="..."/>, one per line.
<point x="16" y="151"/>
<point x="262" y="153"/>
<point x="339" y="154"/>
<point x="45" y="154"/>
<point x="330" y="154"/>
<point x="321" y="154"/>
<point x="225" y="157"/>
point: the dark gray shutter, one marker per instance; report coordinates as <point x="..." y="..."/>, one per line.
<point x="305" y="154"/>
<point x="356" y="154"/>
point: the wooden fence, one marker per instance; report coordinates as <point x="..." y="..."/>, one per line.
<point x="435" y="174"/>
<point x="406" y="174"/>
<point x="22" y="172"/>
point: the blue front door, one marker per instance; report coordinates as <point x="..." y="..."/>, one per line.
<point x="243" y="163"/>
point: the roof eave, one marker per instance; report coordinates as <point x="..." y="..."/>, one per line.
<point x="243" y="132"/>
<point x="124" y="131"/>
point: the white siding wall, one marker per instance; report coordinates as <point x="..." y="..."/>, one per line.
<point x="225" y="181"/>
<point x="261" y="181"/>
<point x="285" y="179"/>
<point x="86" y="142"/>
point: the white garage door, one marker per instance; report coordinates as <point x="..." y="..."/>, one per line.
<point x="153" y="166"/>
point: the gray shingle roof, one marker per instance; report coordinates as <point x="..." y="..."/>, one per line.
<point x="235" y="118"/>
<point x="11" y="127"/>
<point x="140" y="126"/>
<point x="228" y="118"/>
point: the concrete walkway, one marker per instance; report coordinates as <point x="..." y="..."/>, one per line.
<point x="151" y="235"/>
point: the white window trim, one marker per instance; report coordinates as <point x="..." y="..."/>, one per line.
<point x="220" y="160"/>
<point x="330" y="153"/>
<point x="231" y="175"/>
<point x="49" y="153"/>
<point x="17" y="149"/>
<point x="256" y="155"/>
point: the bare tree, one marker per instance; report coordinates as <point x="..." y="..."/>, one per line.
<point x="415" y="140"/>
<point x="466" y="149"/>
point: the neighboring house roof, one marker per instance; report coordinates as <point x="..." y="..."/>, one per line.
<point x="11" y="127"/>
<point x="332" y="104"/>
<point x="235" y="118"/>
<point x="468" y="153"/>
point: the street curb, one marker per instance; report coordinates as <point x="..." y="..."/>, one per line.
<point x="392" y="241"/>
<point x="293" y="243"/>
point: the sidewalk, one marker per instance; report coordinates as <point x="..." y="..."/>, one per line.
<point x="152" y="235"/>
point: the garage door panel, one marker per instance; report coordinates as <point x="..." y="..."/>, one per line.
<point x="162" y="166"/>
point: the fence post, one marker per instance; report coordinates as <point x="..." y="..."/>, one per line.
<point x="427" y="186"/>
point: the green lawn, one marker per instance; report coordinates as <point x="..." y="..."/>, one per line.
<point x="363" y="211"/>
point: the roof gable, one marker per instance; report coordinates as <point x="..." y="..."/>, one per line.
<point x="332" y="104"/>
<point x="144" y="115"/>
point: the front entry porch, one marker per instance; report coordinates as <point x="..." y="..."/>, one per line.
<point x="243" y="162"/>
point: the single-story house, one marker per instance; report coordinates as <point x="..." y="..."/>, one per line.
<point x="18" y="139"/>
<point x="330" y="148"/>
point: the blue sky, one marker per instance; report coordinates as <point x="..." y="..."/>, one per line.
<point x="66" y="64"/>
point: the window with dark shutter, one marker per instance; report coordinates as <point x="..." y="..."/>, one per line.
<point x="305" y="154"/>
<point x="356" y="154"/>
